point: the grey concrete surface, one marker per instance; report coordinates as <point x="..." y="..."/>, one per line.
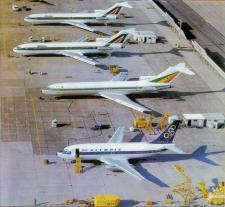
<point x="27" y="138"/>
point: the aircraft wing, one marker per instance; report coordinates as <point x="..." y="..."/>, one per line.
<point x="80" y="25"/>
<point x="80" y="57"/>
<point x="117" y="136"/>
<point x="123" y="165"/>
<point x="124" y="100"/>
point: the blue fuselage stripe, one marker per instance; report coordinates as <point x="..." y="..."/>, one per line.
<point x="120" y="152"/>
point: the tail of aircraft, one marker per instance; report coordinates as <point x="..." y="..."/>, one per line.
<point x="169" y="75"/>
<point x="168" y="134"/>
<point x="120" y="37"/>
<point x="167" y="137"/>
<point x="115" y="9"/>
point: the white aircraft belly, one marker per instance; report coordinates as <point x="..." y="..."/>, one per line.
<point x="46" y="21"/>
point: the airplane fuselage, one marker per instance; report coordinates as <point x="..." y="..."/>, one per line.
<point x="59" y="47"/>
<point x="63" y="18"/>
<point x="96" y="151"/>
<point x="94" y="88"/>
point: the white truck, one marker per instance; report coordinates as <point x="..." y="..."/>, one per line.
<point x="144" y="37"/>
<point x="138" y="36"/>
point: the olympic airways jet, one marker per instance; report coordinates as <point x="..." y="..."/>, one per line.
<point x="79" y="19"/>
<point x="117" y="89"/>
<point x="77" y="50"/>
<point x="116" y="155"/>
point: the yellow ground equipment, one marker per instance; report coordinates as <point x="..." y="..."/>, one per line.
<point x="163" y="121"/>
<point x="78" y="166"/>
<point x="106" y="200"/>
<point x="203" y="190"/>
<point x="68" y="202"/>
<point x="114" y="69"/>
<point x="185" y="189"/>
<point x="169" y="200"/>
<point x="148" y="203"/>
<point x="102" y="35"/>
<point x="144" y="123"/>
<point x="217" y="196"/>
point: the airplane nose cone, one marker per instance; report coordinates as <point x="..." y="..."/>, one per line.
<point x="45" y="91"/>
<point x="15" y="49"/>
<point x="27" y="19"/>
<point x="59" y="154"/>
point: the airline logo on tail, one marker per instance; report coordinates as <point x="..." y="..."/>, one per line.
<point x="114" y="11"/>
<point x="166" y="79"/>
<point x="168" y="135"/>
<point x="120" y="39"/>
<point x="170" y="132"/>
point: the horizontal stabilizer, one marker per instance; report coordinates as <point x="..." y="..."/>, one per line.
<point x="182" y="68"/>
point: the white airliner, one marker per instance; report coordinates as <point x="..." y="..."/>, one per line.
<point x="116" y="155"/>
<point x="117" y="90"/>
<point x="76" y="50"/>
<point x="79" y="19"/>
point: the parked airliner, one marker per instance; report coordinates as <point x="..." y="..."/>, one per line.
<point x="118" y="89"/>
<point x="76" y="50"/>
<point x="116" y="155"/>
<point x="79" y="19"/>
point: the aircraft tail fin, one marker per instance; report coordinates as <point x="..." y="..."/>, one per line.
<point x="168" y="134"/>
<point x="170" y="74"/>
<point x="120" y="37"/>
<point x="115" y="9"/>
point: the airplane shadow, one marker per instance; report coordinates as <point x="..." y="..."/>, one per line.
<point x="155" y="113"/>
<point x="43" y="2"/>
<point x="122" y="24"/>
<point x="173" y="51"/>
<point x="199" y="154"/>
<point x="137" y="138"/>
<point x="173" y="94"/>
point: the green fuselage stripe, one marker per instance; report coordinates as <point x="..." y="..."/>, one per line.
<point x="159" y="79"/>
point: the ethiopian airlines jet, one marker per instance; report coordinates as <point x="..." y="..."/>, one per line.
<point x="79" y="19"/>
<point x="77" y="50"/>
<point x="116" y="155"/>
<point x="117" y="90"/>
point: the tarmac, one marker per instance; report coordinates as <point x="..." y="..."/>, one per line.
<point x="202" y="24"/>
<point x="27" y="138"/>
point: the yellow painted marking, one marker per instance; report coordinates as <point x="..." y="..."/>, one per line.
<point x="37" y="135"/>
<point x="3" y="17"/>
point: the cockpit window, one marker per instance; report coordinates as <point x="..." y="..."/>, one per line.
<point x="66" y="152"/>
